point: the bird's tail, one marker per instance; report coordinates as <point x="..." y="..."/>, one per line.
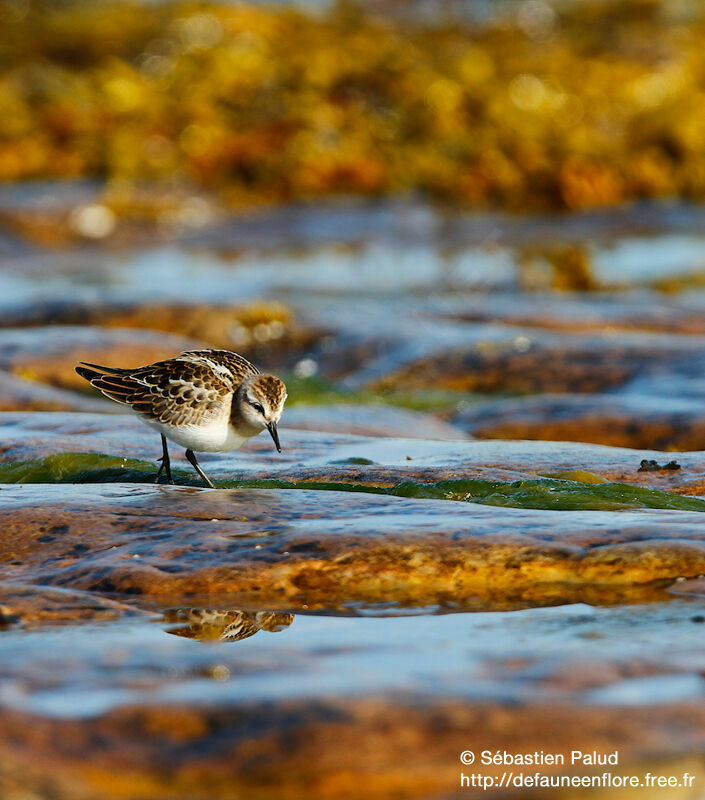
<point x="100" y="369"/>
<point x="110" y="380"/>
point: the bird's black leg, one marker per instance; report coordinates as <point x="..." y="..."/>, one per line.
<point x="166" y="464"/>
<point x="192" y="459"/>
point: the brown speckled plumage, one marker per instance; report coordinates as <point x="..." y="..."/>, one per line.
<point x="194" y="387"/>
<point x="271" y="387"/>
<point x="231" y="626"/>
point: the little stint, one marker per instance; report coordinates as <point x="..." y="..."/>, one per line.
<point x="203" y="400"/>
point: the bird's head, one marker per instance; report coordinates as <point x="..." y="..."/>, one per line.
<point x="259" y="403"/>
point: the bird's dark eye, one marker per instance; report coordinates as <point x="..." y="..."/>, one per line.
<point x="257" y="407"/>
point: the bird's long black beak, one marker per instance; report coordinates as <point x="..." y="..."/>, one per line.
<point x="272" y="428"/>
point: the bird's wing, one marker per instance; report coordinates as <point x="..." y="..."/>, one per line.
<point x="187" y="390"/>
<point x="224" y="362"/>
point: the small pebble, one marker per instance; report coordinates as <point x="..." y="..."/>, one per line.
<point x="220" y="672"/>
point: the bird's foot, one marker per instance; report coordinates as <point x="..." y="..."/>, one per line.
<point x="163" y="464"/>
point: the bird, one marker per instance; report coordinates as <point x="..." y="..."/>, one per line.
<point x="228" y="626"/>
<point x="203" y="400"/>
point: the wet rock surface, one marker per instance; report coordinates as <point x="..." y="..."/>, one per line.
<point x="487" y="567"/>
<point x="372" y="421"/>
<point x="49" y="354"/>
<point x="21" y="394"/>
<point x="528" y="361"/>
<point x="310" y="455"/>
<point x="632" y="420"/>
<point x="333" y="549"/>
<point x="643" y="311"/>
<point x="31" y="605"/>
<point x="237" y="756"/>
<point x="265" y="332"/>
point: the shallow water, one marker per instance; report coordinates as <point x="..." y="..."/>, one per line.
<point x="372" y="251"/>
<point x="510" y="657"/>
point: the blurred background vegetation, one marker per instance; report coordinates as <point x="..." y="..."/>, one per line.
<point x="515" y="105"/>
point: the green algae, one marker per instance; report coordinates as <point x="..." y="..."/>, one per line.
<point x="550" y="493"/>
<point x="547" y="494"/>
<point x="540" y="493"/>
<point x="77" y="468"/>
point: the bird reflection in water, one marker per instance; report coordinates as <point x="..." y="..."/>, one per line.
<point x="214" y="625"/>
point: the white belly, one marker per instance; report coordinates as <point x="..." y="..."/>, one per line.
<point x="214" y="438"/>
